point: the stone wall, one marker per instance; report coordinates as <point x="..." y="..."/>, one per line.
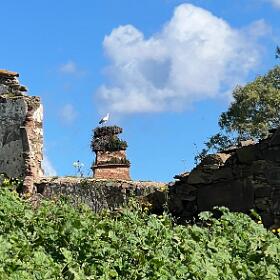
<point x="21" y="133"/>
<point x="241" y="179"/>
<point x="98" y="194"/>
<point x="9" y="83"/>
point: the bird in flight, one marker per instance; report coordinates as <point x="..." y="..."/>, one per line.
<point x="104" y="119"/>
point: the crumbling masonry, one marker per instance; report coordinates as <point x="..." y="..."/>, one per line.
<point x="21" y="133"/>
<point x="242" y="178"/>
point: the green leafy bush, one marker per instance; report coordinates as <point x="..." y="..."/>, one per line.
<point x="57" y="241"/>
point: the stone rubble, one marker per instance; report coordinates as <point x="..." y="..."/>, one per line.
<point x="9" y="83"/>
<point x="241" y="179"/>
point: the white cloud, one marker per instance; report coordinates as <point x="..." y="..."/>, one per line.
<point x="48" y="167"/>
<point x="68" y="113"/>
<point x="275" y="3"/>
<point x="195" y="56"/>
<point x="258" y="28"/>
<point x="71" y="68"/>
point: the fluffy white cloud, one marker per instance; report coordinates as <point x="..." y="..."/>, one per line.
<point x="68" y="113"/>
<point x="48" y="167"/>
<point x="276" y="3"/>
<point x="195" y="56"/>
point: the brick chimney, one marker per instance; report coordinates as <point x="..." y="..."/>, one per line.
<point x="110" y="161"/>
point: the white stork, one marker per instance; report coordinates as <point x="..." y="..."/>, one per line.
<point x="104" y="119"/>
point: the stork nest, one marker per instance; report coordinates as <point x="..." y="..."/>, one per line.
<point x="108" y="143"/>
<point x="106" y="131"/>
<point x="105" y="139"/>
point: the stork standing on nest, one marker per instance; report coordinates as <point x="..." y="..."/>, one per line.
<point x="104" y="119"/>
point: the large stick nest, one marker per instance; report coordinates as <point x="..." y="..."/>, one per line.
<point x="107" y="130"/>
<point x="106" y="139"/>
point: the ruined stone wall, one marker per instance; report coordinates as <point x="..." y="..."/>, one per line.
<point x="33" y="142"/>
<point x="21" y="137"/>
<point x="21" y="133"/>
<point x="12" y="116"/>
<point x="241" y="179"/>
<point x="98" y="194"/>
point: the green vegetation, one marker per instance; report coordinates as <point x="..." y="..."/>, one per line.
<point x="277" y="55"/>
<point x="255" y="108"/>
<point x="254" y="111"/>
<point x="57" y="241"/>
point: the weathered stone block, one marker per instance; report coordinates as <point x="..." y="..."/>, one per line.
<point x="242" y="171"/>
<point x="223" y="174"/>
<point x="275" y="140"/>
<point x="259" y="167"/>
<point x="218" y="159"/>
<point x="198" y="176"/>
<point x="185" y="189"/>
<point x="272" y="154"/>
<point x="263" y="192"/>
<point x="262" y="204"/>
<point x="246" y="154"/>
<point x="273" y="175"/>
<point x="236" y="195"/>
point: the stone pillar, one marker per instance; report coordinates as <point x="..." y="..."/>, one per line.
<point x="110" y="161"/>
<point x="21" y="133"/>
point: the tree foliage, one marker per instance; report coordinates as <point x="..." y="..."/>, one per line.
<point x="217" y="142"/>
<point x="255" y="108"/>
<point x="254" y="111"/>
<point x="277" y="52"/>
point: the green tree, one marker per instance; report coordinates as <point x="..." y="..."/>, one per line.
<point x="254" y="111"/>
<point x="255" y="108"/>
<point x="278" y="52"/>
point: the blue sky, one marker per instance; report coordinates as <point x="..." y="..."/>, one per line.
<point x="164" y="69"/>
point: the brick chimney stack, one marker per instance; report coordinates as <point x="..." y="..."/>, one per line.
<point x="110" y="161"/>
